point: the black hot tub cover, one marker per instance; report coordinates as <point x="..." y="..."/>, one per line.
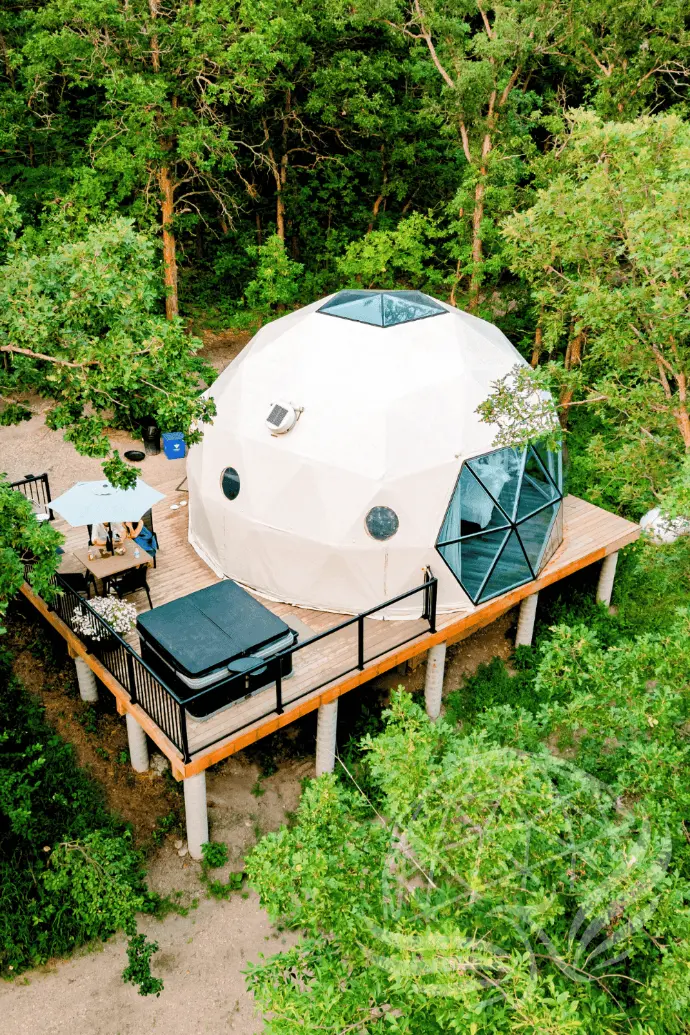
<point x="211" y="627"/>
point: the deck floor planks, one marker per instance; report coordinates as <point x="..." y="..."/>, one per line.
<point x="588" y="531"/>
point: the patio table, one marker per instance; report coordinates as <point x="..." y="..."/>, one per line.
<point x="113" y="564"/>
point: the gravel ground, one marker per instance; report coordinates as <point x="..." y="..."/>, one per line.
<point x="201" y="959"/>
<point x="32" y="448"/>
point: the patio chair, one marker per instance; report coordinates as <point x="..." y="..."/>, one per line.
<point x="128" y="582"/>
<point x="147" y="518"/>
<point x="79" y="581"/>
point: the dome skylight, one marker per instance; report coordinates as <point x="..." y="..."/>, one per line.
<point x="382" y="308"/>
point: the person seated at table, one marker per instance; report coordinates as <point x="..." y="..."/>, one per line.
<point x="142" y="536"/>
<point x="99" y="535"/>
<point x="133" y="528"/>
<point x="119" y="531"/>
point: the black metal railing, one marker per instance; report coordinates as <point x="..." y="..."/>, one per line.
<point x="37" y="489"/>
<point x="144" y="687"/>
<point x="356" y="647"/>
<point x="163" y="705"/>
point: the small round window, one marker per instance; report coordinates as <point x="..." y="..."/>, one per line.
<point x="230" y="483"/>
<point x="381" y="522"/>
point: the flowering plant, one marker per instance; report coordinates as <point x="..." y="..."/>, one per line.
<point x="119" y="615"/>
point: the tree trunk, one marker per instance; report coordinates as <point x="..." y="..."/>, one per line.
<point x="280" y="210"/>
<point x="169" y="248"/>
<point x="681" y="414"/>
<point x="167" y="191"/>
<point x="478" y="213"/>
<point x="536" y="348"/>
<point x="683" y="422"/>
<point x="375" y="212"/>
<point x="573" y="357"/>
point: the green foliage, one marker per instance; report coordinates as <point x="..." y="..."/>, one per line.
<point x="99" y="880"/>
<point x="329" y="125"/>
<point x="138" y="971"/>
<point x="68" y="870"/>
<point x="392" y="258"/>
<point x="79" y="322"/>
<point x="276" y="281"/>
<point x="164" y="824"/>
<point x="613" y="217"/>
<point x="214" y="854"/>
<point x="23" y="539"/>
<point x="482" y="869"/>
<point x="492" y="889"/>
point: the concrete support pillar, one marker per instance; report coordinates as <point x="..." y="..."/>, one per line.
<point x="326" y="731"/>
<point x="525" y="629"/>
<point x="433" y="684"/>
<point x="88" y="690"/>
<point x="196" y="813"/>
<point x="606" y="577"/>
<point x="138" y="745"/>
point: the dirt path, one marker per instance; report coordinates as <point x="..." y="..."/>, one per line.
<point x="201" y="959"/>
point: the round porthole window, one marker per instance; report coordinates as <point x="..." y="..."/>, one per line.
<point x="230" y="483"/>
<point x="381" y="522"/>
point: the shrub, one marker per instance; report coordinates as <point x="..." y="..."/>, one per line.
<point x="490" y="888"/>
<point x="68" y="869"/>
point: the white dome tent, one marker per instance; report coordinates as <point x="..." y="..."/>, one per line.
<point x="335" y="472"/>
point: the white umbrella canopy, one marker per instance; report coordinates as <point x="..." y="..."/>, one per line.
<point x="88" y="503"/>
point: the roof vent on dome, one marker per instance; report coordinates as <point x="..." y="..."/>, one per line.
<point x="282" y="418"/>
<point x="382" y="308"/>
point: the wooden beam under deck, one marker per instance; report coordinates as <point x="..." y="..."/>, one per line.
<point x="590" y="534"/>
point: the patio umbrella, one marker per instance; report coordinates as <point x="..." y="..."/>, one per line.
<point x="88" y="503"/>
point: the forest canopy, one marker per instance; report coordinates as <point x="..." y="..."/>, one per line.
<point x="226" y="161"/>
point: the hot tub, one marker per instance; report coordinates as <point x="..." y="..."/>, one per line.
<point x="203" y="645"/>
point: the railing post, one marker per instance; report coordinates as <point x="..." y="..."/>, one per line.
<point x="46" y="486"/>
<point x="360" y="642"/>
<point x="186" y="757"/>
<point x="279" y="688"/>
<point x="432" y="607"/>
<point x="130" y="676"/>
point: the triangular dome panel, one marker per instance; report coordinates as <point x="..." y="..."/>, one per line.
<point x="514" y="489"/>
<point x="382" y="308"/>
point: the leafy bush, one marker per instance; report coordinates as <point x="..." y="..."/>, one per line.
<point x="494" y="885"/>
<point x="215" y="854"/>
<point x="138" y="972"/>
<point x="23" y="538"/>
<point x="68" y="869"/>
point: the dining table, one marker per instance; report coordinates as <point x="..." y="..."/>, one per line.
<point x="105" y="565"/>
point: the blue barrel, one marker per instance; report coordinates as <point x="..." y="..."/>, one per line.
<point x="174" y="445"/>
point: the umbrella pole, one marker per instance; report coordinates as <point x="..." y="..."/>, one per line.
<point x="110" y="539"/>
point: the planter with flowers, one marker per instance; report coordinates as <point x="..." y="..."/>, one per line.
<point x="117" y="615"/>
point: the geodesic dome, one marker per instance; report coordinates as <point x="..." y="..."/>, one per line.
<point x="347" y="457"/>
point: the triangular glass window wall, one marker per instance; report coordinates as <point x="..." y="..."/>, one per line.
<point x="504" y="521"/>
<point x="382" y="308"/>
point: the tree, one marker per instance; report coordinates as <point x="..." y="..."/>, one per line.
<point x="78" y="325"/>
<point x="482" y="59"/>
<point x="605" y="249"/>
<point x="479" y="888"/>
<point x="165" y="81"/>
<point x="24" y="541"/>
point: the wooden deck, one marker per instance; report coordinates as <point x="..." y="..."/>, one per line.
<point x="589" y="535"/>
